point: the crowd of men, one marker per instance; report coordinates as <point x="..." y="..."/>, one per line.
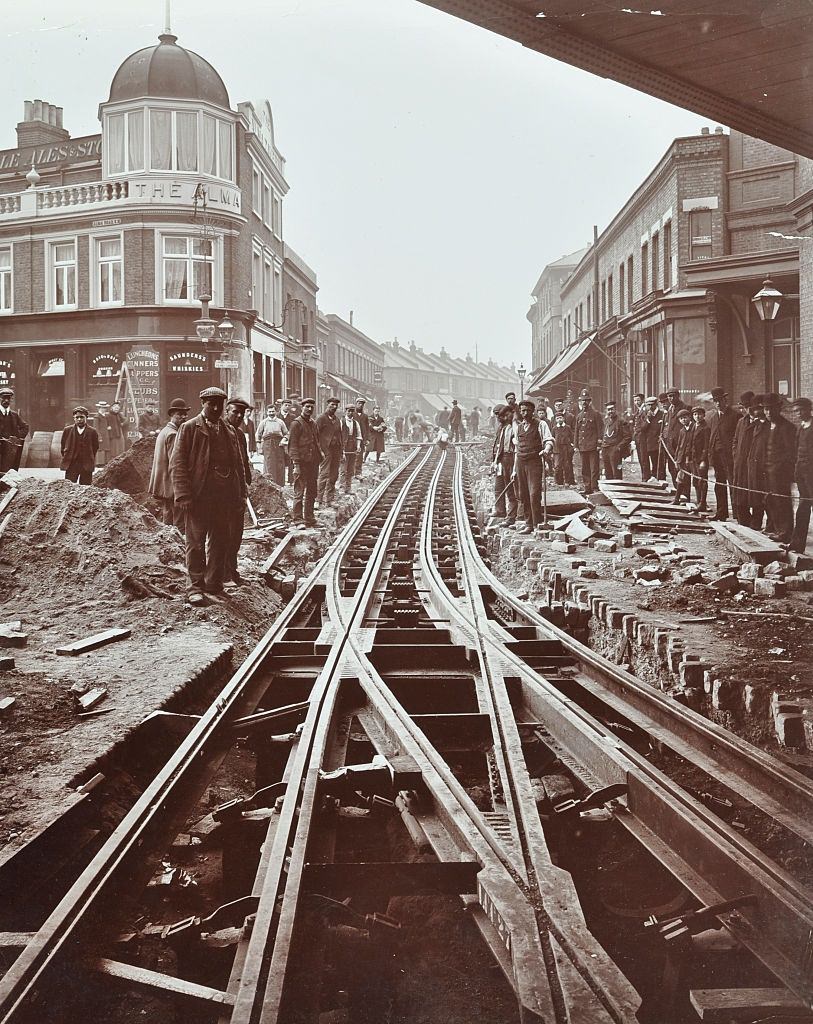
<point x="450" y="424"/>
<point x="756" y="452"/>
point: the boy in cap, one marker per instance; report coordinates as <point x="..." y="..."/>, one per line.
<point x="700" y="456"/>
<point x="683" y="455"/>
<point x="13" y="431"/>
<point x="803" y="472"/>
<point x="305" y="455"/>
<point x="160" y="485"/>
<point x="208" y="481"/>
<point x="562" y="450"/>
<point x="79" y="444"/>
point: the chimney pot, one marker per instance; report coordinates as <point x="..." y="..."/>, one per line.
<point x="28" y="110"/>
<point x="704" y="130"/>
<point x="719" y="130"/>
<point x="351" y="317"/>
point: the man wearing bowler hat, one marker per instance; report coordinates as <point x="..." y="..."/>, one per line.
<point x="305" y="455"/>
<point x="160" y="485"/>
<point x="208" y="481"/>
<point x="80" y="443"/>
<point x="13" y="431"/>
<point x="723" y="426"/>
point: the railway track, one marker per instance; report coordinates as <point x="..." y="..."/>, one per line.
<point x="421" y="739"/>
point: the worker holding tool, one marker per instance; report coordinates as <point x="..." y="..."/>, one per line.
<point x="534" y="442"/>
<point x="502" y="454"/>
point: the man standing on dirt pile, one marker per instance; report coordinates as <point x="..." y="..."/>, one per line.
<point x="587" y="433"/>
<point x="534" y="442"/>
<point x="305" y="455"/>
<point x="235" y="412"/>
<point x="329" y="430"/>
<point x="160" y="485"/>
<point x="79" y="446"/>
<point x="363" y="421"/>
<point x="351" y="443"/>
<point x="803" y="472"/>
<point x="723" y="426"/>
<point x="13" y="431"/>
<point x="208" y="482"/>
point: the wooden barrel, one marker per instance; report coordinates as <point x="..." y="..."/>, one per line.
<point x="56" y="450"/>
<point x="39" y="451"/>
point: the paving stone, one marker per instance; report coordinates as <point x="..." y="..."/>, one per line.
<point x="749" y="571"/>
<point x="563" y="546"/>
<point x="726" y="584"/>
<point x="576" y="563"/>
<point x="789" y="729"/>
<point x="624" y="539"/>
<point x="559" y="535"/>
<point x="531" y="564"/>
<point x="586" y="573"/>
<point x="605" y="545"/>
<point x="775" y="569"/>
<point x="796" y="583"/>
<point x="798" y="561"/>
<point x="769" y="588"/>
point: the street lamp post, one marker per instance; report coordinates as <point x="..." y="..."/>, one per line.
<point x="521" y="374"/>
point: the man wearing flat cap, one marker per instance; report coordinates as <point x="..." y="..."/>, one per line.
<point x="235" y="413"/>
<point x="79" y="444"/>
<point x="208" y="481"/>
<point x="13" y="431"/>
<point x="723" y="427"/>
<point x="160" y="486"/>
<point x="670" y="431"/>
<point x="305" y="455"/>
<point x="329" y="429"/>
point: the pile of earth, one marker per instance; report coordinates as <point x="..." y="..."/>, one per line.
<point x="130" y="472"/>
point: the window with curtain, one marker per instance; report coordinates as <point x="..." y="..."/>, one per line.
<point x="225" y="147"/>
<point x="63" y="274"/>
<point x="135" y="140"/>
<point x="630" y="283"/>
<point x="5" y="279"/>
<point x="188" y="268"/>
<point x="208" y="145"/>
<point x="645" y="269"/>
<point x="161" y="140"/>
<point x="115" y="144"/>
<point x="700" y="235"/>
<point x="186" y="140"/>
<point x="621" y="288"/>
<point x="656" y="259"/>
<point x="667" y="255"/>
<point x="110" y="265"/>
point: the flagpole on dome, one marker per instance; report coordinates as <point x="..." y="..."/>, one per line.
<point x="167" y="18"/>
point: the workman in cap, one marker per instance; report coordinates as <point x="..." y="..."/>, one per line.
<point x="803" y="472"/>
<point x="149" y="422"/>
<point x="743" y="434"/>
<point x="329" y="430"/>
<point x="780" y="461"/>
<point x="305" y="455"/>
<point x="208" y="480"/>
<point x="670" y="430"/>
<point x="351" y="445"/>
<point x="160" y="485"/>
<point x="79" y="445"/>
<point x="587" y="434"/>
<point x="363" y="421"/>
<point x="13" y="431"/>
<point x="723" y="427"/>
<point x="651" y="419"/>
<point x="757" y="474"/>
<point x="614" y="443"/>
<point x="236" y="409"/>
<point x="533" y="441"/>
<point x="502" y="457"/>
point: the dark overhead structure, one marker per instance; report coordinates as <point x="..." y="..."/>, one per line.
<point x="746" y="63"/>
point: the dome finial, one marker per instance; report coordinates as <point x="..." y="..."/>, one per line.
<point x="167" y="36"/>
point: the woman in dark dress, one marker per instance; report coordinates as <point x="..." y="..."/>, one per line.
<point x="378" y="427"/>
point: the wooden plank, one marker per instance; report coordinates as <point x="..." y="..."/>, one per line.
<point x="165" y="984"/>
<point x="721" y="1005"/>
<point x="90" y="643"/>
<point x="749" y="545"/>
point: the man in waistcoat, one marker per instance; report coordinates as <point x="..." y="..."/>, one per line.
<point x="533" y="441"/>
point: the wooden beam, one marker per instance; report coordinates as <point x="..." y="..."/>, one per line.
<point x="722" y="1005"/>
<point x="90" y="643"/>
<point x="163" y="984"/>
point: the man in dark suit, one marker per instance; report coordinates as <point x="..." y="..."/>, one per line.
<point x="329" y="430"/>
<point x="79" y="446"/>
<point x="722" y="426"/>
<point x="235" y="411"/>
<point x="13" y="431"/>
<point x="208" y="481"/>
<point x="305" y="454"/>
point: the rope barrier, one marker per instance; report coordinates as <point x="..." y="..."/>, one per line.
<point x="734" y="487"/>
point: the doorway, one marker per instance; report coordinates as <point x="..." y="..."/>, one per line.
<point x="48" y="394"/>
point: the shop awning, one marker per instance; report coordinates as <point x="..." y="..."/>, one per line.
<point x="341" y="383"/>
<point x="433" y="401"/>
<point x="560" y="364"/>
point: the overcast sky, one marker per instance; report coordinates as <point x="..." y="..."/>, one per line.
<point x="434" y="168"/>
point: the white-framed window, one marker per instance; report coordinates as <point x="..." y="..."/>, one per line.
<point x="276" y="216"/>
<point x="268" y="294"/>
<point x="109" y="278"/>
<point x="63" y="274"/>
<point x="257" y="192"/>
<point x="188" y="268"/>
<point x="277" y="295"/>
<point x="266" y="211"/>
<point x="6" y="293"/>
<point x="257" y="281"/>
<point x="124" y="137"/>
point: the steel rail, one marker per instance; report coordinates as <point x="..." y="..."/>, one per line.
<point x="710" y="858"/>
<point x="551" y="889"/>
<point x="259" y="991"/>
<point x="157" y="811"/>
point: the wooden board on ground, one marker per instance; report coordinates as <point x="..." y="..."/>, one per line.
<point x="747" y="544"/>
<point x="747" y="1004"/>
<point x="90" y="643"/>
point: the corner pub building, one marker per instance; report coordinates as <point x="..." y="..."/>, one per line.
<point x="107" y="243"/>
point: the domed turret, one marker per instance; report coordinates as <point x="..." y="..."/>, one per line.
<point x="168" y="71"/>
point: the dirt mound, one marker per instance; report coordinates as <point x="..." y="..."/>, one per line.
<point x="267" y="497"/>
<point x="130" y="471"/>
<point x="74" y="542"/>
